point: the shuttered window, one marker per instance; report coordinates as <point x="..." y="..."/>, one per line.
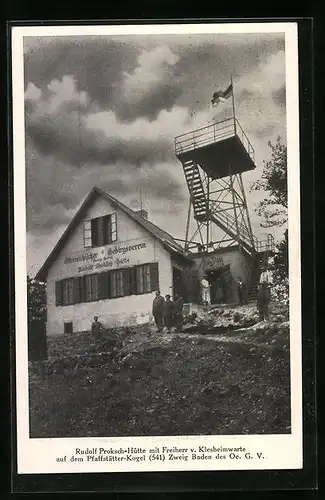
<point x="147" y="278"/>
<point x="144" y="278"/>
<point x="109" y="284"/>
<point x="100" y="231"/>
<point x="116" y="281"/>
<point x="68" y="296"/>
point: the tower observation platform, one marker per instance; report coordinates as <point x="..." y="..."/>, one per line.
<point x="213" y="159"/>
<point x="216" y="147"/>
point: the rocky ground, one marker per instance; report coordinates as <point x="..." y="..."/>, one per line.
<point x="227" y="373"/>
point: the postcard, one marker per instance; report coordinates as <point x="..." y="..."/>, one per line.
<point x="157" y="247"/>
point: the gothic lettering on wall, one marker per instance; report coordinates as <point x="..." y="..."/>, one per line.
<point x="213" y="262"/>
<point x="111" y="257"/>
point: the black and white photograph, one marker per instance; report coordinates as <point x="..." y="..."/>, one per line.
<point x="156" y="178"/>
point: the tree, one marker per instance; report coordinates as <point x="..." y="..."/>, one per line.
<point x="273" y="208"/>
<point x="281" y="258"/>
<point x="273" y="211"/>
<point x="36" y="300"/>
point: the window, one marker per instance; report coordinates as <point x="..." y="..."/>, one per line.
<point x="91" y="287"/>
<point x="100" y="231"/>
<point x="87" y="234"/>
<point x="67" y="291"/>
<point x="107" y="285"/>
<point x="68" y="327"/>
<point x="117" y="281"/>
<point x="144" y="279"/>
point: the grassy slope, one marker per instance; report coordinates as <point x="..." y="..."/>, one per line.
<point x="162" y="385"/>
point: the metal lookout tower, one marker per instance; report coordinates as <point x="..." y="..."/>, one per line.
<point x="213" y="159"/>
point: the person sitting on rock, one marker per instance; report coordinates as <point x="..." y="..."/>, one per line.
<point x="168" y="311"/>
<point x="157" y="310"/>
<point x="97" y="328"/>
<point x="178" y="312"/>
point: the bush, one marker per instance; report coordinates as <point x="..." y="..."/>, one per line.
<point x="280" y="292"/>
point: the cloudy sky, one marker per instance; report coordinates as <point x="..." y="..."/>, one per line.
<point x="105" y="110"/>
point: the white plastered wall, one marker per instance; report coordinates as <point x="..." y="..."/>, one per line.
<point x="127" y="310"/>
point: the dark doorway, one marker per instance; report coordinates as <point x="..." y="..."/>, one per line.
<point x="178" y="284"/>
<point x="218" y="285"/>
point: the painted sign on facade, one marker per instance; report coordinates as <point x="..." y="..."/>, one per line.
<point x="109" y="257"/>
<point x="212" y="262"/>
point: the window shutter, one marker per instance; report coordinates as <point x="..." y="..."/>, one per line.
<point x="140" y="286"/>
<point x="154" y="275"/>
<point x="58" y="293"/>
<point x="76" y="291"/>
<point x="103" y="285"/>
<point x="87" y="234"/>
<point x="101" y="231"/>
<point x="87" y="282"/>
<point x="94" y="232"/>
<point x="94" y="287"/>
<point x="82" y="288"/>
<point x="113" y="227"/>
<point x="133" y="280"/>
<point x="126" y="282"/>
<point x="108" y="225"/>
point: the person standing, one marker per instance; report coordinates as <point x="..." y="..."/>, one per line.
<point x="263" y="301"/>
<point x="241" y="291"/>
<point x="168" y="313"/>
<point x="157" y="310"/>
<point x="205" y="291"/>
<point x="97" y="328"/>
<point x="178" y="312"/>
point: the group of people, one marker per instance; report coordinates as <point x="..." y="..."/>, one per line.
<point x="168" y="313"/>
<point x="263" y="293"/>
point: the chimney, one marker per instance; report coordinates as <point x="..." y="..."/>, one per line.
<point x="143" y="213"/>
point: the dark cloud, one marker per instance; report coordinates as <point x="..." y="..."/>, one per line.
<point x="55" y="189"/>
<point x="99" y="65"/>
<point x="162" y="96"/>
<point x="67" y="139"/>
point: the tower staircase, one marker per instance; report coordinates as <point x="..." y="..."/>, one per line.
<point x="225" y="220"/>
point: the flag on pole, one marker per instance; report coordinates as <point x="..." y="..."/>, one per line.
<point x="221" y="95"/>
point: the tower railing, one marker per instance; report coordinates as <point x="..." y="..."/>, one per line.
<point x="212" y="134"/>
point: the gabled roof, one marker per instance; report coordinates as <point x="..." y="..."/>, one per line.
<point x="162" y="236"/>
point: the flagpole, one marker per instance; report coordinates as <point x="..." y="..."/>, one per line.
<point x="233" y="102"/>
